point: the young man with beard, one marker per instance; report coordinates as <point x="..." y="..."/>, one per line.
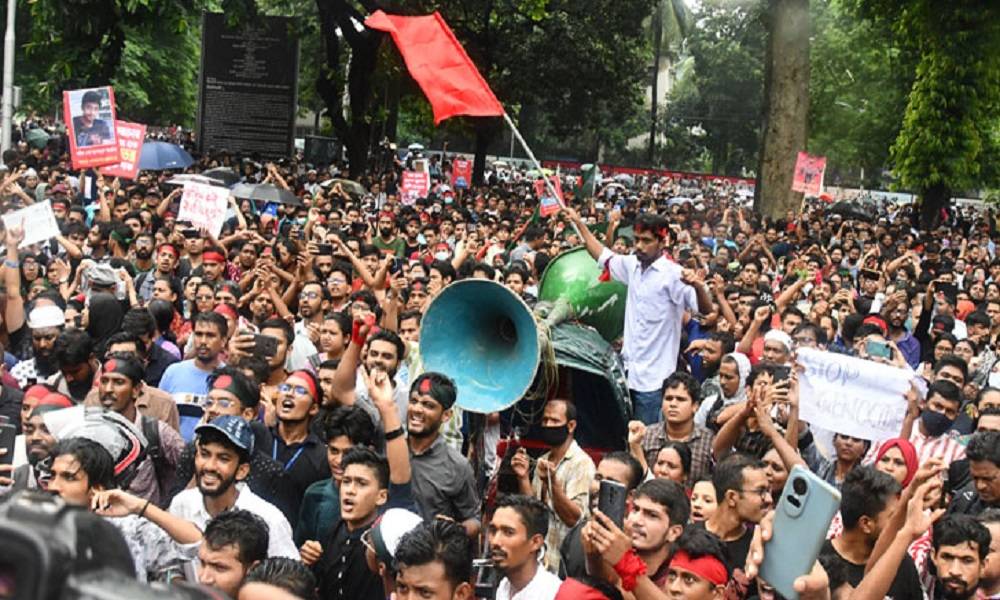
<point x="234" y="542"/>
<point x="338" y="285"/>
<point x="74" y="353"/>
<point x="120" y="387"/>
<point x="387" y="241"/>
<point x="443" y="482"/>
<point x="313" y="302"/>
<point x="744" y="496"/>
<point x="143" y="250"/>
<point x="895" y="312"/>
<point x="39" y="443"/>
<point x="221" y="464"/>
<point x="213" y="264"/>
<point x="233" y="393"/>
<point x="339" y="562"/>
<point x="435" y="563"/>
<point x="659" y="293"/>
<point x="961" y="545"/>
<point x="187" y="381"/>
<point x="516" y="536"/>
<point x="167" y="257"/>
<point x="242" y="345"/>
<point x="659" y="514"/>
<point x="382" y="350"/>
<point x="45" y="323"/>
<point x="562" y="475"/>
<point x="868" y="500"/>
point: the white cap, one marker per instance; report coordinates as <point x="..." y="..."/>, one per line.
<point x="29" y="172"/>
<point x="46" y="316"/>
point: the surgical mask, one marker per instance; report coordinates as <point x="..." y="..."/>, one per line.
<point x="935" y="423"/>
<point x="441" y="255"/>
<point x="553" y="436"/>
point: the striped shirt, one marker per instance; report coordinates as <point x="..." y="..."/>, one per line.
<point x="944" y="447"/>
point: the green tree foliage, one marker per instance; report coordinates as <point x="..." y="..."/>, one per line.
<point x="858" y="89"/>
<point x="147" y="49"/>
<point x="948" y="139"/>
<point x="713" y="114"/>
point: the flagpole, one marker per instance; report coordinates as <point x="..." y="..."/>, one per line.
<point x="531" y="157"/>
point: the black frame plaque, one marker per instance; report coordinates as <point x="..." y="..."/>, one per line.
<point x="248" y="86"/>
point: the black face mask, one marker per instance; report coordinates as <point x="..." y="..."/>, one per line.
<point x="553" y="436"/>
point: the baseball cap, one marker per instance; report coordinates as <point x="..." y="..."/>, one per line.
<point x="236" y="430"/>
<point x="46" y="316"/>
<point x="29" y="172"/>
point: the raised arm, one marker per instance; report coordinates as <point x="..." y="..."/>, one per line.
<point x="590" y="241"/>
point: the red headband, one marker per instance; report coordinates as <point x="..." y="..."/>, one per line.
<point x="707" y="567"/>
<point x="212" y="256"/>
<point x="168" y="248"/>
<point x="306" y="377"/>
<point x="226" y="311"/>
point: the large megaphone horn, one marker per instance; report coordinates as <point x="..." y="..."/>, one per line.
<point x="485" y="338"/>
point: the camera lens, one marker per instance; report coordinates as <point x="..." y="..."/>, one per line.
<point x="799" y="485"/>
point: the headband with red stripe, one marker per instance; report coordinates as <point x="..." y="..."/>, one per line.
<point x="212" y="256"/>
<point x="707" y="567"/>
<point x="306" y="378"/>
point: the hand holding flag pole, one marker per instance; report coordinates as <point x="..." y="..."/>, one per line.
<point x="446" y="74"/>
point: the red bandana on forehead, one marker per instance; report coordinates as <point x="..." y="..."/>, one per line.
<point x="308" y="380"/>
<point x="212" y="256"/>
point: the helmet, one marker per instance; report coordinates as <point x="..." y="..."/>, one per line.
<point x="115" y="433"/>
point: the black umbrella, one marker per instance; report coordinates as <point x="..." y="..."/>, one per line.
<point x="223" y="174"/>
<point x="850" y="210"/>
<point x="266" y="192"/>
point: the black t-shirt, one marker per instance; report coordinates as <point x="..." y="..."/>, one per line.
<point x="736" y="559"/>
<point x="906" y="585"/>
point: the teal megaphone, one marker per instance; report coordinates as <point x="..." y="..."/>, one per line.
<point x="484" y="337"/>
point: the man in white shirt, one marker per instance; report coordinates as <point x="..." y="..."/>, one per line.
<point x="221" y="463"/>
<point x="517" y="536"/>
<point x="659" y="293"/>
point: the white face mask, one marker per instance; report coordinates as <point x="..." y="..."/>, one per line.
<point x="441" y="255"/>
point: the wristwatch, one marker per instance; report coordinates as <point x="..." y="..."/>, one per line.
<point x="395" y="433"/>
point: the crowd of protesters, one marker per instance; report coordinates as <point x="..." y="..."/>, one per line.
<point x="284" y="431"/>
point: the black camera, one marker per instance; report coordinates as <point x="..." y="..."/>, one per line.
<point x="50" y="550"/>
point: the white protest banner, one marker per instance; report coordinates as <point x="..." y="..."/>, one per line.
<point x="37" y="220"/>
<point x="849" y="395"/>
<point x="414" y="185"/>
<point x="204" y="206"/>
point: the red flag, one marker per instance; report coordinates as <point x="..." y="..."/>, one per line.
<point x="439" y="65"/>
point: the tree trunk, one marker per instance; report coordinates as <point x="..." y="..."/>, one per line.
<point x="484" y="135"/>
<point x="786" y="105"/>
<point x="654" y="91"/>
<point x="932" y="200"/>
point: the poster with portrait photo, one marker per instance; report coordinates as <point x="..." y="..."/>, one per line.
<point x="90" y="124"/>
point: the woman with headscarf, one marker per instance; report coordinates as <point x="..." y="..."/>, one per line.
<point x="104" y="319"/>
<point x="734" y="368"/>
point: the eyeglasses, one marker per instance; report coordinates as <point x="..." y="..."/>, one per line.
<point x="301" y="390"/>
<point x="222" y="403"/>
<point x="762" y="492"/>
<point x="309" y="295"/>
<point x="336" y="281"/>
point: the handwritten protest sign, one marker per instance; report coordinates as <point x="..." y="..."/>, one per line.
<point x="90" y="126"/>
<point x="461" y="173"/>
<point x="809" y="172"/>
<point x="849" y="395"/>
<point x="415" y="185"/>
<point x="204" y="206"/>
<point x="130" y="137"/>
<point x="547" y="204"/>
<point x="37" y="220"/>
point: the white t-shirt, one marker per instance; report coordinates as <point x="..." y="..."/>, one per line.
<point x="190" y="505"/>
<point x="543" y="586"/>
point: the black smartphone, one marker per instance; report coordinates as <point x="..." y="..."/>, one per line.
<point x="8" y="432"/>
<point x="397" y="266"/>
<point x="264" y="346"/>
<point x="191" y="234"/>
<point x="782" y="372"/>
<point x="948" y="289"/>
<point x="324" y="249"/>
<point x="611" y="501"/>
